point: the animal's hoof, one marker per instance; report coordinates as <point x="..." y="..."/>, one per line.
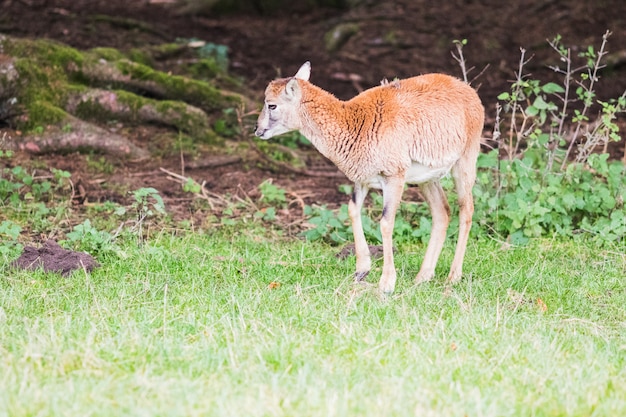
<point x="453" y="278"/>
<point x="360" y="276"/>
<point x="386" y="289"/>
<point x="422" y="278"/>
<point x="387" y="283"/>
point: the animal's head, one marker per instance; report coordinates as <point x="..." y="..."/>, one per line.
<point x="282" y="102"/>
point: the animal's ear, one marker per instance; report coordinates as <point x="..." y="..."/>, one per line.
<point x="292" y="89"/>
<point x="304" y="72"/>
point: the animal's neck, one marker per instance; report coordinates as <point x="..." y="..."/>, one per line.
<point x="324" y="119"/>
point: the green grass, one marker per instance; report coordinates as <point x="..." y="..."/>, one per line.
<point x="193" y="326"/>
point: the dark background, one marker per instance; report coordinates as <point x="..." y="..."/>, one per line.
<point x="395" y="38"/>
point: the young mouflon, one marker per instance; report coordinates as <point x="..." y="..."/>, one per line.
<point x="413" y="131"/>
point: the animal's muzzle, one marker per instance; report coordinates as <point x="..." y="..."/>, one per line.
<point x="259" y="132"/>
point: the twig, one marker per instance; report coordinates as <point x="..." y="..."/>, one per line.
<point x="512" y="150"/>
<point x="204" y="194"/>
<point x="593" y="77"/>
<point x="478" y="76"/>
<point x="566" y="82"/>
<point x="460" y="58"/>
<point x="297" y="199"/>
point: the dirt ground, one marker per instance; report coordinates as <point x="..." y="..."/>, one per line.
<point x="395" y="39"/>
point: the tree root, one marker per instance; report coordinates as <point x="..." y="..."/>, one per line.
<point x="121" y="105"/>
<point x="133" y="76"/>
<point x="77" y="135"/>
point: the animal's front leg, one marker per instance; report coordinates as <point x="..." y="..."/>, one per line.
<point x="392" y="193"/>
<point x="361" y="250"/>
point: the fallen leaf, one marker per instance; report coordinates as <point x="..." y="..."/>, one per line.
<point x="542" y="305"/>
<point x="273" y="285"/>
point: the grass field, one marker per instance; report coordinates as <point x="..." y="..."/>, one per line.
<point x="224" y="325"/>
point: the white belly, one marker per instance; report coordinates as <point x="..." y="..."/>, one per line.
<point x="417" y="174"/>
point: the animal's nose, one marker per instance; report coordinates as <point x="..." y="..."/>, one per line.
<point x="259" y="132"/>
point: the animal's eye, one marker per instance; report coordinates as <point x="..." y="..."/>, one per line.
<point x="271" y="106"/>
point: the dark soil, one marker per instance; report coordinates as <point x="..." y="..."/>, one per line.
<point x="395" y="39"/>
<point x="53" y="258"/>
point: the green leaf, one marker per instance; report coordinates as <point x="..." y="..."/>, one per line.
<point x="541" y="104"/>
<point x="531" y="111"/>
<point x="10" y="229"/>
<point x="552" y="88"/>
<point x="504" y="96"/>
<point x="518" y="238"/>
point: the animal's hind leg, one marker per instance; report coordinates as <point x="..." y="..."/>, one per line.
<point x="392" y="194"/>
<point x="440" y="211"/>
<point x="361" y="250"/>
<point x="464" y="174"/>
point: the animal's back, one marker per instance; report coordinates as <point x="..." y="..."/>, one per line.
<point x="451" y="118"/>
<point x="429" y="120"/>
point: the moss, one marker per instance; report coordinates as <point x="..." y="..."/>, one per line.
<point x="46" y="51"/>
<point x="43" y="82"/>
<point x="40" y="82"/>
<point x="133" y="101"/>
<point x="110" y="54"/>
<point x="205" y="68"/>
<point x="75" y="88"/>
<point x="45" y="62"/>
<point x="61" y="55"/>
<point x="140" y="56"/>
<point x="145" y="56"/>
<point x="167" y="112"/>
<point x="49" y="72"/>
<point x="41" y="94"/>
<point x="178" y="115"/>
<point x="167" y="50"/>
<point x="90" y="110"/>
<point x="40" y="114"/>
<point x="171" y="113"/>
<point x="176" y="87"/>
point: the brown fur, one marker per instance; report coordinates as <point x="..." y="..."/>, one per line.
<point x="414" y="130"/>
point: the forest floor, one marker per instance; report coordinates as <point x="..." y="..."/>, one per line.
<point x="394" y="39"/>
